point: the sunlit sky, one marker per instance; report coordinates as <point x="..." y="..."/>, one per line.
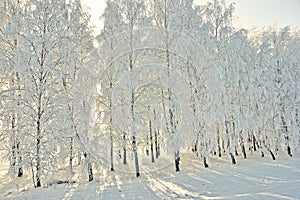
<point x="249" y="13"/>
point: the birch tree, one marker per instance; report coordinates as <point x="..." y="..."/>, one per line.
<point x="9" y="38"/>
<point x="277" y="58"/>
<point x="77" y="49"/>
<point x="113" y="25"/>
<point x="41" y="66"/>
<point x="163" y="11"/>
<point x="217" y="17"/>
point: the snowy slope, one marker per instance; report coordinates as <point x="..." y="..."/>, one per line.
<point x="253" y="178"/>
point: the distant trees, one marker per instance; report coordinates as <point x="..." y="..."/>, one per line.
<point x="278" y="57"/>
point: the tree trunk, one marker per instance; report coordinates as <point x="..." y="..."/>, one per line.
<point x="124" y="156"/>
<point x="134" y="142"/>
<point x="90" y="172"/>
<point x="134" y="146"/>
<point x="196" y="146"/>
<point x="273" y="156"/>
<point x="38" y="146"/>
<point x="270" y="151"/>
<point x="71" y="157"/>
<point x="232" y="158"/>
<point x="229" y="144"/>
<point x="111" y="153"/>
<point x="20" y="170"/>
<point x="124" y="149"/>
<point x="177" y="159"/>
<point x="204" y="162"/>
<point x="16" y="157"/>
<point x="254" y="142"/>
<point x="172" y="127"/>
<point x="234" y="137"/>
<point x="110" y="131"/>
<point x="243" y="145"/>
<point x="151" y="142"/>
<point x="147" y="146"/>
<point x="155" y="135"/>
<point x="219" y="140"/>
<point x="285" y="130"/>
<point x="38" y="164"/>
<point x="289" y="151"/>
<point x="157" y="148"/>
<point x="89" y="167"/>
<point x="244" y="151"/>
<point x="151" y="148"/>
<point x="236" y="152"/>
<point x="155" y="142"/>
<point x="13" y="157"/>
<point x="261" y="150"/>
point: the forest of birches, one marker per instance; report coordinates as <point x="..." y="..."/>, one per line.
<point x="162" y="77"/>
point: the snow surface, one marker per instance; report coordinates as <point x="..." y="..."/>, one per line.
<point x="254" y="178"/>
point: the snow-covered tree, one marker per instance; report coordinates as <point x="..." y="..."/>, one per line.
<point x="45" y="44"/>
<point x="9" y="38"/>
<point x="217" y="20"/>
<point x="113" y="25"/>
<point x="78" y="48"/>
<point x="278" y="66"/>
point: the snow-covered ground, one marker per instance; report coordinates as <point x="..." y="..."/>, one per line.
<point x="253" y="178"/>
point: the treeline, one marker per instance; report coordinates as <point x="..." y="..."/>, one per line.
<point x="165" y="76"/>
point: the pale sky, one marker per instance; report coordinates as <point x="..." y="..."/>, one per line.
<point x="249" y="13"/>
